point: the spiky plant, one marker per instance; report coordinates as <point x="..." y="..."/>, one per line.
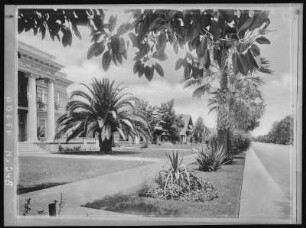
<point x="101" y="111"/>
<point x="211" y="160"/>
<point x="177" y="173"/>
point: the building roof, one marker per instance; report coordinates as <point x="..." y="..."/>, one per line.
<point x="46" y="60"/>
<point x="187" y="124"/>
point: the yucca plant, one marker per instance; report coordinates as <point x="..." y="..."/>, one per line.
<point x="177" y="173"/>
<point x="211" y="160"/>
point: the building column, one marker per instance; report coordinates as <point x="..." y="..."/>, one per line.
<point x="51" y="113"/>
<point x="32" y="111"/>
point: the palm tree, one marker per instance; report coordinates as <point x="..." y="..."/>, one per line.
<point x="100" y="112"/>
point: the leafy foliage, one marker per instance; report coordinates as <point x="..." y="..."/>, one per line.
<point x="212" y="33"/>
<point x="241" y="141"/>
<point x="100" y="112"/>
<point x="143" y="107"/>
<point x="281" y="132"/>
<point x="210" y="159"/>
<point x="178" y="183"/>
<point x="169" y="120"/>
<point x="200" y="132"/>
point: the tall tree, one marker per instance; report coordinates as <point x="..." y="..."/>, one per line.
<point x="219" y="42"/>
<point x="170" y="121"/>
<point x="100" y="112"/>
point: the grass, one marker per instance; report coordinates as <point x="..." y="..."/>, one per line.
<point x="37" y="173"/>
<point x="227" y="180"/>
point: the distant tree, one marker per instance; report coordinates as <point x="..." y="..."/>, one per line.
<point x="200" y="131"/>
<point x="143" y="107"/>
<point x="170" y="121"/>
<point x="281" y="132"/>
<point x="100" y="112"/>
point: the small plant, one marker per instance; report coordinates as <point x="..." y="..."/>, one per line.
<point x="212" y="159"/>
<point x="61" y="204"/>
<point x="27" y="206"/>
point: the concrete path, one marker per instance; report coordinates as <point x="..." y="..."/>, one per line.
<point x="262" y="198"/>
<point x="79" y="193"/>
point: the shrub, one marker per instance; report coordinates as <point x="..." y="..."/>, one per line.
<point x="211" y="160"/>
<point x="178" y="183"/>
<point x="241" y="141"/>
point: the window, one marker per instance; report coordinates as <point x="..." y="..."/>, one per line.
<point x="41" y="95"/>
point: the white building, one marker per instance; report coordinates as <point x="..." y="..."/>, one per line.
<point x="42" y="94"/>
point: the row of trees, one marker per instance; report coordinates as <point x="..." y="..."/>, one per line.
<point x="220" y="48"/>
<point x="281" y="132"/>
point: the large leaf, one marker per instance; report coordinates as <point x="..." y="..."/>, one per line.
<point x="159" y="69"/>
<point x="123" y="28"/>
<point x="112" y="22"/>
<point x="263" y="40"/>
<point x="255" y="50"/>
<point x="149" y="72"/>
<point x="141" y="70"/>
<point x="121" y="45"/>
<point x="92" y="49"/>
<point x="246" y="24"/>
<point x="242" y="64"/>
<point x="259" y="20"/>
<point x="106" y="59"/>
<point x="179" y="63"/>
<point x="76" y="31"/>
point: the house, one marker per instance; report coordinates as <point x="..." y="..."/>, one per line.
<point x="186" y="131"/>
<point x="42" y="94"/>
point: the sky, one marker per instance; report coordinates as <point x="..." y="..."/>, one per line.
<point x="277" y="88"/>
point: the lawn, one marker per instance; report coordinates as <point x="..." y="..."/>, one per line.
<point x="227" y="180"/>
<point x="41" y="172"/>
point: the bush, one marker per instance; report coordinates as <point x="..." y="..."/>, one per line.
<point x="241" y="141"/>
<point x="211" y="159"/>
<point x="178" y="183"/>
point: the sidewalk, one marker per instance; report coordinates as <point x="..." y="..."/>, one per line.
<point x="78" y="193"/>
<point x="261" y="197"/>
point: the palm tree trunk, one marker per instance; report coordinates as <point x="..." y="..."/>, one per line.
<point x="224" y="134"/>
<point x="106" y="146"/>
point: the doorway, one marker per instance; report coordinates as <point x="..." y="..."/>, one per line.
<point x="22" y="121"/>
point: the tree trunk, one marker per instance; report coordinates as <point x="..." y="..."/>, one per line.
<point x="224" y="141"/>
<point x="224" y="134"/>
<point x="106" y="145"/>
